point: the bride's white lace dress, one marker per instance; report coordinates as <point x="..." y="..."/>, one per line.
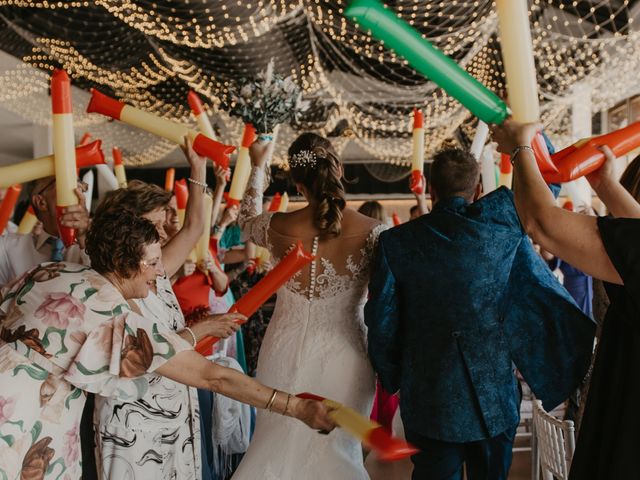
<point x="315" y="343"/>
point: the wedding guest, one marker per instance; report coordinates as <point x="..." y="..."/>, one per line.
<point x="168" y="410"/>
<point x="19" y="253"/>
<point x="373" y="209"/>
<point x="69" y="329"/>
<point x="605" y="248"/>
<point x="457" y="297"/>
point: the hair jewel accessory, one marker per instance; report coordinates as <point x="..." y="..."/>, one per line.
<point x="304" y="158"/>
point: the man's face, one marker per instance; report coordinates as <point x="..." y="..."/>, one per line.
<point x="43" y="200"/>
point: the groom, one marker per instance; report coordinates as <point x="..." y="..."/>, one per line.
<point x="457" y="297"/>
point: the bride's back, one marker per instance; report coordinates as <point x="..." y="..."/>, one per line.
<point x="342" y="260"/>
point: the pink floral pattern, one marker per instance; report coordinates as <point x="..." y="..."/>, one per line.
<point x="67" y="332"/>
<point x="71" y="447"/>
<point x="60" y="309"/>
<point x="7" y="406"/>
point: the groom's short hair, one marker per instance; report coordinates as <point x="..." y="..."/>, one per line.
<point x="454" y="172"/>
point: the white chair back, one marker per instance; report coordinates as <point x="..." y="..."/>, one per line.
<point x="554" y="444"/>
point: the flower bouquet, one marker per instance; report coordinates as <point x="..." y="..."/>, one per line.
<point x="267" y="101"/>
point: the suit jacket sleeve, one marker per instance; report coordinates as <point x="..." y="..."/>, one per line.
<point x="549" y="337"/>
<point x="382" y="316"/>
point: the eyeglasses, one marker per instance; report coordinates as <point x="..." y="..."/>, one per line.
<point x="83" y="186"/>
<point x="151" y="263"/>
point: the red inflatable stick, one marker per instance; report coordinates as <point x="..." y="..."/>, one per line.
<point x="173" y="131"/>
<point x="8" y="204"/>
<point x="63" y="150"/>
<point x="541" y="152"/>
<point x="396" y="219"/>
<point x="274" y="206"/>
<point x="585" y="157"/>
<point x="264" y="289"/>
<point x="182" y="195"/>
<point x="417" y="158"/>
<point x="86" y="138"/>
<point x="370" y="433"/>
<point x="169" y="178"/>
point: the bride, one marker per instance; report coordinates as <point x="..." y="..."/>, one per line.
<point x="315" y="341"/>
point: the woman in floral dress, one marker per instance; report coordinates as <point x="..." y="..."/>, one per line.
<point x="67" y="329"/>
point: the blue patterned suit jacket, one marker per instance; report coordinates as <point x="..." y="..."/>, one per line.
<point x="459" y="296"/>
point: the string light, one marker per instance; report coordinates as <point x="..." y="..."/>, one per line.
<point x="206" y="45"/>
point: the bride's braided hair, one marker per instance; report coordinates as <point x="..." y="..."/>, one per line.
<point x="321" y="173"/>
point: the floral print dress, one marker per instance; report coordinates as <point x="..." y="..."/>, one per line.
<point x="158" y="435"/>
<point x="65" y="329"/>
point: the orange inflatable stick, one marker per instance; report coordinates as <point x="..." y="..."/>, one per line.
<point x="370" y="433"/>
<point x="264" y="289"/>
<point x="8" y="204"/>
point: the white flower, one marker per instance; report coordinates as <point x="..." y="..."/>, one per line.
<point x="246" y="91"/>
<point x="268" y="76"/>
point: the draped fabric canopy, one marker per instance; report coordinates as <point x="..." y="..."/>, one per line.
<point x="151" y="53"/>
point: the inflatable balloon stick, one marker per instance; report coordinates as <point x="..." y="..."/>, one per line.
<point x="243" y="166"/>
<point x="169" y="178"/>
<point x="274" y="206"/>
<point x="8" y="204"/>
<point x="506" y="170"/>
<point x="106" y="173"/>
<point x="284" y="202"/>
<point x="396" y="219"/>
<point x="407" y="42"/>
<point x="520" y="70"/>
<point x="118" y="167"/>
<point x="585" y="157"/>
<point x="89" y="179"/>
<point x="86" y="138"/>
<point x="264" y="289"/>
<point x="370" y="433"/>
<point x="63" y="149"/>
<point x="204" y="125"/>
<point x="161" y="127"/>
<point x="182" y="195"/>
<point x="417" y="160"/>
<point x="517" y="57"/>
<point x="488" y="170"/>
<point x="479" y="139"/>
<point x="86" y="156"/>
<point x="28" y="221"/>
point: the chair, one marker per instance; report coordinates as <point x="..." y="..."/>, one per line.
<point x="554" y="444"/>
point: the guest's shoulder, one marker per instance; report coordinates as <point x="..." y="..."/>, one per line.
<point x="498" y="207"/>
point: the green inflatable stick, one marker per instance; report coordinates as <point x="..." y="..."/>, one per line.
<point x="427" y="59"/>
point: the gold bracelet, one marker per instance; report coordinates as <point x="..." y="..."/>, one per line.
<point x="273" y="399"/>
<point x="519" y="149"/>
<point x="286" y="407"/>
<point x="193" y="335"/>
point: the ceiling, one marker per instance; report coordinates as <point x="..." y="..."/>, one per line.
<point x="151" y="53"/>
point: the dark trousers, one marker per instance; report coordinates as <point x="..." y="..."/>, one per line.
<point x="88" y="441"/>
<point x="488" y="459"/>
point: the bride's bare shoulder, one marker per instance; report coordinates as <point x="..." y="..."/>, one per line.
<point x="353" y="222"/>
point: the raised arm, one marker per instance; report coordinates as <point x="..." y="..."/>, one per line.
<point x="177" y="250"/>
<point x="251" y="205"/>
<point x="571" y="236"/>
<point x="619" y="202"/>
<point x="221" y="183"/>
<point x="191" y="368"/>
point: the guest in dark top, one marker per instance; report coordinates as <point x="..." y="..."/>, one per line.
<point x="605" y="248"/>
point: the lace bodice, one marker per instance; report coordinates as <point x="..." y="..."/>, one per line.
<point x="341" y="263"/>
